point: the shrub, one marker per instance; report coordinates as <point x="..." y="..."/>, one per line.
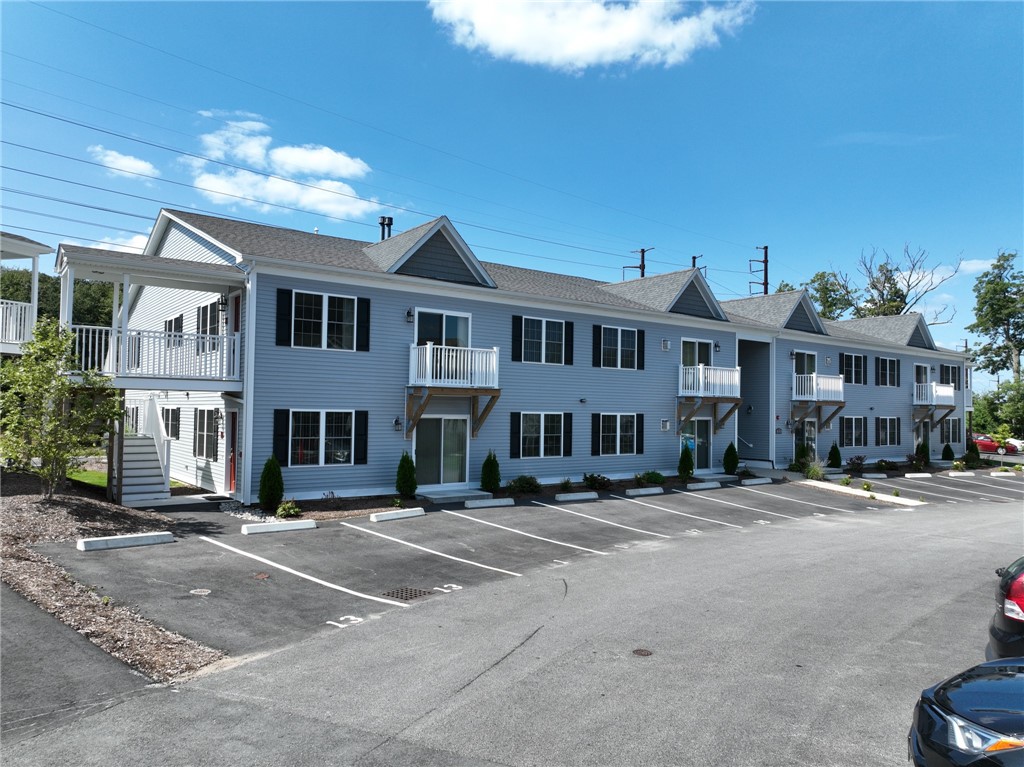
<point x="638" y="480"/>
<point x="802" y="456"/>
<point x="685" y="463"/>
<point x="288" y="509"/>
<point x="731" y="459"/>
<point x="924" y="452"/>
<point x="490" y="473"/>
<point x="653" y="477"/>
<point x="972" y="457"/>
<point x="835" y="459"/>
<point x="523" y="484"/>
<point x="815" y="470"/>
<point x="896" y="492"/>
<point x="405" y="482"/>
<point x="883" y="465"/>
<point x="866" y="487"/>
<point x="566" y="485"/>
<point x="845" y="481"/>
<point x="271" y="486"/>
<point x="1018" y="468"/>
<point x="947" y="452"/>
<point x="596" y="481"/>
<point x="916" y="461"/>
<point x="856" y="462"/>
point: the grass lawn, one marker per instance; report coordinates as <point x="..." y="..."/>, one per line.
<point x="99" y="478"/>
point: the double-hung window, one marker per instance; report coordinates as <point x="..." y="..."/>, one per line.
<point x="618" y="433"/>
<point x="204" y="434"/>
<point x="207" y="325"/>
<point x="887" y="431"/>
<point x="887" y="371"/>
<point x="950" y="374"/>
<point x="951" y="430"/>
<point x="323" y="321"/>
<point x="853" y="368"/>
<point x="541" y="435"/>
<point x="543" y="341"/>
<point x="853" y="431"/>
<point x="173" y="329"/>
<point x="172" y="421"/>
<point x="321" y="437"/>
<point x="619" y="348"/>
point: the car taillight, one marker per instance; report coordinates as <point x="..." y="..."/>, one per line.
<point x="1013" y="604"/>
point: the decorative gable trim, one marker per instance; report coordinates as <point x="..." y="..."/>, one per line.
<point x="445" y="228"/>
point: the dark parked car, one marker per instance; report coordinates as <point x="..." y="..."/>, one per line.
<point x="1006" y="631"/>
<point x="974" y="718"/>
<point x="986" y="444"/>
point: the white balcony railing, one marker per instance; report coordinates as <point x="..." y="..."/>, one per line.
<point x="934" y="394"/>
<point x="157" y="354"/>
<point x="432" y="365"/>
<point x="818" y="388"/>
<point x="15" y="322"/>
<point x="707" y="381"/>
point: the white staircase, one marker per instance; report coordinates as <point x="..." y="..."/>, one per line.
<point x="143" y="475"/>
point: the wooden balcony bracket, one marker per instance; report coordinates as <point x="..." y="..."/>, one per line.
<point x="803" y="411"/>
<point x="687" y="407"/>
<point x="418" y="397"/>
<point x="720" y="422"/>
<point x="694" y="403"/>
<point x="946" y="412"/>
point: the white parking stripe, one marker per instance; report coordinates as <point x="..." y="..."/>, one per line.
<point x="1001" y="486"/>
<point x="680" y="513"/>
<point x="707" y="497"/>
<point x="334" y="586"/>
<point x="598" y="519"/>
<point x="528" y="535"/>
<point x="797" y="500"/>
<point x="430" y="551"/>
<point x="948" y="498"/>
<point x="977" y="492"/>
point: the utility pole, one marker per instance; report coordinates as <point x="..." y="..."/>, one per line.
<point x="642" y="267"/>
<point x="764" y="266"/>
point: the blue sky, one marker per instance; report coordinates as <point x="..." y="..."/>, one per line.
<point x="556" y="135"/>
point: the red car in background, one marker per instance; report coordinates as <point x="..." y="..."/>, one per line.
<point x="986" y="444"/>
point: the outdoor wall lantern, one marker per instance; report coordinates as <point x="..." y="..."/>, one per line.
<point x="792" y="354"/>
<point x="828" y="360"/>
<point x="410" y="315"/>
<point x="222" y="303"/>
<point x="397" y="424"/>
<point x="718" y="346"/>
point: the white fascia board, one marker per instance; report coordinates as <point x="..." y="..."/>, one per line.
<point x="855" y="345"/>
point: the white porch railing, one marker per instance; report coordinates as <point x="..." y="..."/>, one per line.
<point x="432" y="365"/>
<point x="154" y="423"/>
<point x="15" y="321"/>
<point x="157" y="354"/>
<point x="707" y="381"/>
<point x="934" y="394"/>
<point x="818" y="388"/>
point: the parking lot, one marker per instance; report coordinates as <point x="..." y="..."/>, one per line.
<point x="244" y="594"/>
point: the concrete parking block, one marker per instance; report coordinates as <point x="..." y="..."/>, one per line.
<point x="124" y="541"/>
<point x="486" y="503"/>
<point x="562" y="497"/>
<point x="278" y="527"/>
<point x="918" y="475"/>
<point x="960" y="474"/>
<point x="704" y="486"/>
<point x="634" y="491"/>
<point x="874" y="476"/>
<point x="386" y="516"/>
<point x="1002" y="474"/>
<point x="756" y="481"/>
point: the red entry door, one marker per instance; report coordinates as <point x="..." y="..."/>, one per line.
<point x="232" y="449"/>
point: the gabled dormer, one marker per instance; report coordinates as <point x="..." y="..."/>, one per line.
<point x="433" y="250"/>
<point x="683" y="292"/>
<point x="901" y="329"/>
<point x="792" y="310"/>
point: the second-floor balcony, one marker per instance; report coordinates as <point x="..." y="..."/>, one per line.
<point x="453" y="366"/>
<point x="708" y="381"/>
<point x="155" y="354"/>
<point x="813" y="387"/>
<point x="16" y="322"/>
<point x="934" y="394"/>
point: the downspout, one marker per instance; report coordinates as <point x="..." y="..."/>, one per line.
<point x="772" y="417"/>
<point x="248" y="408"/>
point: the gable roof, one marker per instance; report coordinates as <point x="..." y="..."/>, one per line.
<point x="900" y="329"/>
<point x="551" y="285"/>
<point x="777" y="310"/>
<point x="665" y="293"/>
<point x="16" y="246"/>
<point x="401" y="253"/>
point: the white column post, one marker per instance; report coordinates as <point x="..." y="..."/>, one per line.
<point x="35" y="294"/>
<point x="67" y="295"/>
<point x="122" y="366"/>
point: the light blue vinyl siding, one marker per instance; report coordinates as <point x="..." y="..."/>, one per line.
<point x="179" y="242"/>
<point x="756" y="429"/>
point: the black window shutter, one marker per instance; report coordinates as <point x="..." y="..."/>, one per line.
<point x="862" y="365"/>
<point x="195" y="431"/>
<point x="878" y="431"/>
<point x="566" y="435"/>
<point x="842" y="430"/>
<point x="640" y="432"/>
<point x="514" y="435"/>
<point x="899" y="428"/>
<point x="878" y="372"/>
<point x="956" y="385"/>
<point x="361" y="436"/>
<point x="517" y="338"/>
<point x="284" y="317"/>
<point x="567" y="343"/>
<point x="595" y="434"/>
<point x="897" y="372"/>
<point x="640" y="350"/>
<point x="597" y="349"/>
<point x="281" y="424"/>
<point x="362" y="324"/>
<point x="842" y="365"/>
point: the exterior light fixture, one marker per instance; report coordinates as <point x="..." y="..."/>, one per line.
<point x="792" y="354"/>
<point x="718" y="346"/>
<point x="397" y="424"/>
<point x="410" y="315"/>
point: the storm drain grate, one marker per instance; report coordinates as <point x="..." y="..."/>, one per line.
<point x="406" y="594"/>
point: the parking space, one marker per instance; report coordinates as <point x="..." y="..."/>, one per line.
<point x="248" y="593"/>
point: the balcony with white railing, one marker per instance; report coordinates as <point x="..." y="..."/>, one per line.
<point x="156" y="354"/>
<point x="817" y="388"/>
<point x="453" y="366"/>
<point x="15" y="322"/>
<point x="934" y="394"/>
<point x="708" y="381"/>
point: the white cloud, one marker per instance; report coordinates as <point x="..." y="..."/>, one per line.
<point x="976" y="265"/>
<point x="122" y="164"/>
<point x="572" y="35"/>
<point x="134" y="242"/>
<point x="303" y="177"/>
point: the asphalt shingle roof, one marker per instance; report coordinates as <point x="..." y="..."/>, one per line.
<point x="896" y="329"/>
<point x="772" y="310"/>
<point x="657" y="292"/>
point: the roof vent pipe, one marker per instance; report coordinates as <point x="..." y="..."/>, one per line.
<point x="385" y="227"/>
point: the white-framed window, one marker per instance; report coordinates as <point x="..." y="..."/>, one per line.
<point x="321" y="437"/>
<point x="693" y="352"/>
<point x="618" y="433"/>
<point x="173" y="329"/>
<point x="543" y="341"/>
<point x="207" y="324"/>
<point x="204" y="434"/>
<point x="541" y="435"/>
<point x="853" y="431"/>
<point x="853" y="368"/>
<point x="618" y="347"/>
<point x="172" y="421"/>
<point x="951" y="430"/>
<point x="888" y="371"/>
<point x="950" y="374"/>
<point x="887" y="431"/>
<point x="323" y="321"/>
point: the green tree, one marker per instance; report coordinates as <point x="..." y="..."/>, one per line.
<point x="490" y="473"/>
<point x="999" y="316"/>
<point x="405" y="481"/>
<point x="835" y="458"/>
<point x="785" y="287"/>
<point x="271" y="485"/>
<point x="730" y="459"/>
<point x="1004" y="405"/>
<point x="685" y="463"/>
<point x="92" y="299"/>
<point x="828" y="295"/>
<point x="50" y="422"/>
